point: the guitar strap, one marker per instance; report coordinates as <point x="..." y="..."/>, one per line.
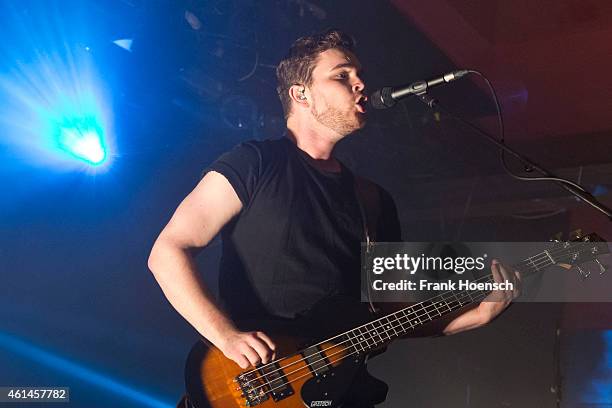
<point x="368" y="198"/>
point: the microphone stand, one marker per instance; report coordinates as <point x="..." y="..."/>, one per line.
<point x="582" y="195"/>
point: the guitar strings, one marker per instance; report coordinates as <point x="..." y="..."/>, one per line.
<point x="323" y="366"/>
<point x="544" y="258"/>
<point x="369" y="331"/>
<point x="464" y="298"/>
<point x="376" y="331"/>
<point x="417" y="316"/>
<point x="547" y="256"/>
<point x="386" y="331"/>
<point x="332" y="338"/>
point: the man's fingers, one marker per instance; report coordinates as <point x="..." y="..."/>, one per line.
<point x="250" y="349"/>
<point x="261" y="347"/>
<point x="267" y="339"/>
<point x="505" y="274"/>
<point x="242" y="361"/>
<point x="518" y="284"/>
<point x="269" y="344"/>
<point x="495" y="271"/>
<point x="502" y="274"/>
<point x="251" y="354"/>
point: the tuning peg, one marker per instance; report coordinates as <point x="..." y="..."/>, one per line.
<point x="584" y="274"/>
<point x="557" y="237"/>
<point x="602" y="267"/>
<point x="576" y="234"/>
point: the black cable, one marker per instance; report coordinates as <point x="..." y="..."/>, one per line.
<point x="500" y="121"/>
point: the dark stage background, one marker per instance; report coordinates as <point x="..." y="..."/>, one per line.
<point x="183" y="81"/>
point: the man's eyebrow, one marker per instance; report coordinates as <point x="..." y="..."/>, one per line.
<point x="346" y="65"/>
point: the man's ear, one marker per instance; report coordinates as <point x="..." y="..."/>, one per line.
<point x="298" y="94"/>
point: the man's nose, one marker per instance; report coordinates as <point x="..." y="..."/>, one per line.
<point x="358" y="86"/>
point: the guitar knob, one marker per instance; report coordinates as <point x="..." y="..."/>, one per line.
<point x="602" y="267"/>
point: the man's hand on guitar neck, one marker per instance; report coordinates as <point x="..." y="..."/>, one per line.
<point x="247" y="348"/>
<point x="492" y="305"/>
<point x="498" y="300"/>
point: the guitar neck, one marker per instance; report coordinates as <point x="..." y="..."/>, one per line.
<point x="382" y="331"/>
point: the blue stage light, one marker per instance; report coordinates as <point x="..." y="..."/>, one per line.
<point x="82" y="138"/>
<point x="104" y="382"/>
<point x="55" y="106"/>
<point x="56" y="112"/>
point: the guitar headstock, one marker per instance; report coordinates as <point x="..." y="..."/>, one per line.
<point x="580" y="250"/>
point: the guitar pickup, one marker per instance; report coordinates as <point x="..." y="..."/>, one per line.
<point x="316" y="360"/>
<point x="275" y="380"/>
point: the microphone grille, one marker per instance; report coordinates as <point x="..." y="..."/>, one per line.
<point x="381" y="99"/>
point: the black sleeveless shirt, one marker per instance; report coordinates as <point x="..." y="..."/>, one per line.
<point x="297" y="239"/>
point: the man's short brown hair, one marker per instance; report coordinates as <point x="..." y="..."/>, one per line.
<point x="298" y="64"/>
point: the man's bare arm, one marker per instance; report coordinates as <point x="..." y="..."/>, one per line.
<point x="201" y="215"/>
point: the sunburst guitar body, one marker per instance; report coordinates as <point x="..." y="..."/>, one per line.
<point x="305" y="374"/>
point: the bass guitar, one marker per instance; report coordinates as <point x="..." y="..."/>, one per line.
<point x="320" y="373"/>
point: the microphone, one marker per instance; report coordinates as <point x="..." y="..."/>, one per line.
<point x="387" y="97"/>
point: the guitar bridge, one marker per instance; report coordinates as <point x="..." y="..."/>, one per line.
<point x="253" y="389"/>
<point x="268" y="381"/>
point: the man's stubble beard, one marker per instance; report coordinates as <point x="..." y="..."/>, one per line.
<point x="338" y="121"/>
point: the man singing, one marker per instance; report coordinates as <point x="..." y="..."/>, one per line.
<point x="291" y="217"/>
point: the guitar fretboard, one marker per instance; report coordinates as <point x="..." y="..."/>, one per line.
<point x="382" y="331"/>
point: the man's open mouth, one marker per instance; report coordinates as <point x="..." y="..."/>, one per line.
<point x="361" y="103"/>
